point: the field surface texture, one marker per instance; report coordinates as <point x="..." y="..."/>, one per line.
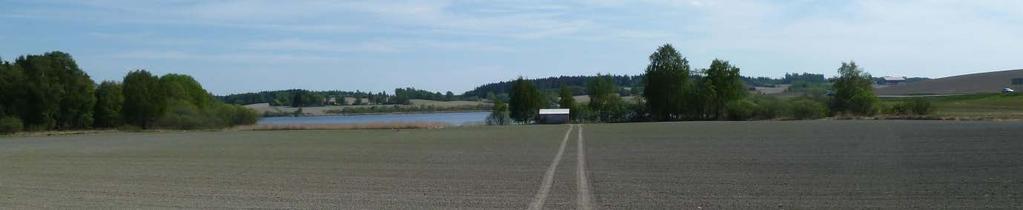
<point x="688" y="165"/>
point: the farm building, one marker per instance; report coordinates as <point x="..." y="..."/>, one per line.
<point x="890" y="80"/>
<point x="553" y="116"/>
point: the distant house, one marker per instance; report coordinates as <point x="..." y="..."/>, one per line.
<point x="330" y="101"/>
<point x="890" y="80"/>
<point x="553" y="116"/>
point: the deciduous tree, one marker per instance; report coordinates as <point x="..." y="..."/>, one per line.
<point x="665" y="82"/>
<point x="144" y="102"/>
<point x="526" y="101"/>
<point x="853" y="91"/>
<point x="109" y="102"/>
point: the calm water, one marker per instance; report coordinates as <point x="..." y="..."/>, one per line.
<point x="460" y="118"/>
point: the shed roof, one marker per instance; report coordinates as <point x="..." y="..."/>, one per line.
<point x="894" y="78"/>
<point x="554" y="111"/>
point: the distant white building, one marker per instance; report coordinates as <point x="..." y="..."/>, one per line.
<point x="553" y="116"/>
<point x="893" y="80"/>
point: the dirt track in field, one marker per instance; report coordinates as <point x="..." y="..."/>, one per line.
<point x="801" y="165"/>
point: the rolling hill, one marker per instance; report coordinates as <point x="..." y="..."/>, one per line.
<point x="988" y="82"/>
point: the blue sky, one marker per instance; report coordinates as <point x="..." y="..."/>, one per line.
<point x="234" y="46"/>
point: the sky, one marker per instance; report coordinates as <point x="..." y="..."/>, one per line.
<point x="234" y="46"/>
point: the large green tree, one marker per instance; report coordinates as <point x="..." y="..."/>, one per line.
<point x="109" y="102"/>
<point x="56" y="93"/>
<point x="720" y="85"/>
<point x="11" y="90"/>
<point x="604" y="99"/>
<point x="144" y="101"/>
<point x="525" y="102"/>
<point x="179" y="89"/>
<point x="665" y="83"/>
<point x="565" y="98"/>
<point x="853" y="91"/>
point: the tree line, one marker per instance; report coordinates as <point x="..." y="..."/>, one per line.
<point x="672" y="90"/>
<point x="307" y="98"/>
<point x="576" y="84"/>
<point x="50" y="92"/>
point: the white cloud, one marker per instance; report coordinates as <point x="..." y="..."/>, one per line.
<point x="373" y="46"/>
<point x="241" y="57"/>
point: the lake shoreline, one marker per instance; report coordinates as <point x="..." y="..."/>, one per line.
<point x="450" y="117"/>
<point x="379" y="113"/>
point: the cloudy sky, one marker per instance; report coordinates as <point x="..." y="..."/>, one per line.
<point x="236" y="46"/>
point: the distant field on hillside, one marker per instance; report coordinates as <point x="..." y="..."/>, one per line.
<point x="988" y="82"/>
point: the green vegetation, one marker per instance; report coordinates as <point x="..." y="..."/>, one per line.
<point x="525" y="101"/>
<point x="854" y="94"/>
<point x="722" y="87"/>
<point x="46" y="92"/>
<point x="499" y="115"/>
<point x="577" y="84"/>
<point x="806" y="109"/>
<point x="605" y="105"/>
<point x="50" y="92"/>
<point x="565" y="98"/>
<point x="10" y="125"/>
<point x="671" y="92"/>
<point x="666" y="83"/>
<point x="974" y="106"/>
<point x="306" y="98"/>
<point x="914" y="106"/>
<point x="143" y="101"/>
<point x="789" y="78"/>
<point x="109" y="104"/>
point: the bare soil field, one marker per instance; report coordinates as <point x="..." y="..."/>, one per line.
<point x="454" y="168"/>
<point x="807" y="165"/>
<point x="686" y="165"/>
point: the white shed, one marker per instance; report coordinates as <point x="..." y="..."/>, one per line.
<point x="553" y="116"/>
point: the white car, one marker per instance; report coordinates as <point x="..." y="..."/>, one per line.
<point x="1008" y="90"/>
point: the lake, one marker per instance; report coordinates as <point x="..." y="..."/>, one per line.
<point x="455" y="118"/>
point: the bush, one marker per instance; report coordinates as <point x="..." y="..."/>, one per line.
<point x="10" y="125"/>
<point x="243" y="116"/>
<point x="803" y="109"/>
<point x="184" y="117"/>
<point x="769" y="107"/>
<point x="915" y="106"/>
<point x="499" y="115"/>
<point x="187" y="117"/>
<point x="920" y="106"/>
<point x="740" y="110"/>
